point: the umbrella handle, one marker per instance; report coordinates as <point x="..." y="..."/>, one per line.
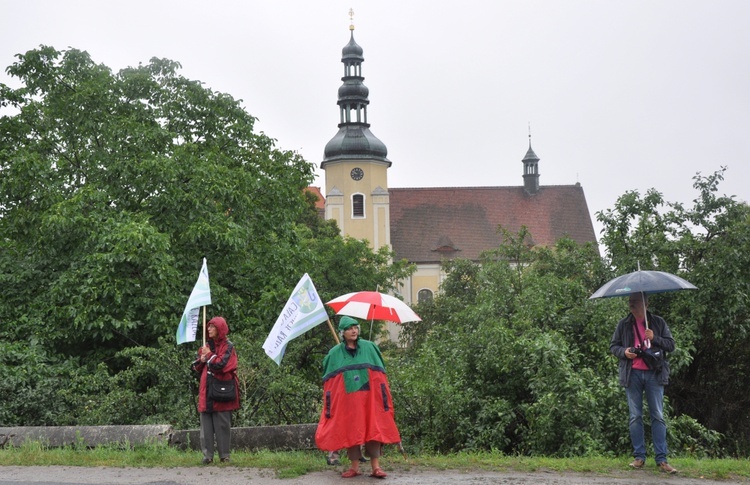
<point x="647" y="342"/>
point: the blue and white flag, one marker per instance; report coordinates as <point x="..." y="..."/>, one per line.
<point x="201" y="296"/>
<point x="303" y="311"/>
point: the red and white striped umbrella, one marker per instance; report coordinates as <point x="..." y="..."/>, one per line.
<point x="373" y="305"/>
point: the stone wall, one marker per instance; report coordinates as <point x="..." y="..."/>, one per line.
<point x="292" y="437"/>
<point x="89" y="436"/>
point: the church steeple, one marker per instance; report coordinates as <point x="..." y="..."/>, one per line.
<point x="355" y="163"/>
<point x="354" y="140"/>
<point x="531" y="170"/>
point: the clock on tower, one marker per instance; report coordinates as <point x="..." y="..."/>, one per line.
<point x="357" y="173"/>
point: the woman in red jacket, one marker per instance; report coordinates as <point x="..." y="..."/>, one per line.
<point x="217" y="361"/>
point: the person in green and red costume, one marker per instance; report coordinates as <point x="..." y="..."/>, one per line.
<point x="357" y="402"/>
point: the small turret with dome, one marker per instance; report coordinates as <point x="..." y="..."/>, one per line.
<point x="530" y="169"/>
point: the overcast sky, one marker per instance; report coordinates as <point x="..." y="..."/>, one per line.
<point x="620" y="95"/>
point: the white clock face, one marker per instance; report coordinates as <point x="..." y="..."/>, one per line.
<point x="357" y="173"/>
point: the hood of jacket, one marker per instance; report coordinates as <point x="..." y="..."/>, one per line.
<point x="222" y="329"/>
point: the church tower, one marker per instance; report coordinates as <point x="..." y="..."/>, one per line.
<point x="355" y="163"/>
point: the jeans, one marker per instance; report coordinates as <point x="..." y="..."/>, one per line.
<point x="645" y="382"/>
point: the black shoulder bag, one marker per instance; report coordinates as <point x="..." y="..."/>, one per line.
<point x="221" y="391"/>
<point x="652" y="356"/>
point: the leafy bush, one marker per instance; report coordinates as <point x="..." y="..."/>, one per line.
<point x="31" y="383"/>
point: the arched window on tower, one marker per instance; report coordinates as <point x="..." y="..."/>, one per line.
<point x="358" y="206"/>
<point x="424" y="295"/>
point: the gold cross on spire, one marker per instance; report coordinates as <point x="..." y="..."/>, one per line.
<point x="351" y="19"/>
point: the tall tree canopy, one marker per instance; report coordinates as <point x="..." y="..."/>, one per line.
<point x="114" y="187"/>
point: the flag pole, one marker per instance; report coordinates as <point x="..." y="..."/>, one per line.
<point x="336" y="337"/>
<point x="204" y="325"/>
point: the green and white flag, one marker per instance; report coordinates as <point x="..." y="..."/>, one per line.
<point x="303" y="311"/>
<point x="201" y="296"/>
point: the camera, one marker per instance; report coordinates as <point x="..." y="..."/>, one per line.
<point x="637" y="351"/>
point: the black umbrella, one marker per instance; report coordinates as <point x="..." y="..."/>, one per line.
<point x="644" y="282"/>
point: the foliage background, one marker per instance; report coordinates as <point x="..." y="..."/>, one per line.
<point x="114" y="187"/>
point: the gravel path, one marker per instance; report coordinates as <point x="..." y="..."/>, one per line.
<point x="58" y="475"/>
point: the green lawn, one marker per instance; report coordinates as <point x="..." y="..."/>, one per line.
<point x="293" y="464"/>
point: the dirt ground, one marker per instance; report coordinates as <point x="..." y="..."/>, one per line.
<point x="35" y="475"/>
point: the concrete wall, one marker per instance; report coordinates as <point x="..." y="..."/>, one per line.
<point x="292" y="437"/>
<point x="89" y="436"/>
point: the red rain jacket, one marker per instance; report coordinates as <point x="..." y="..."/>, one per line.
<point x="222" y="363"/>
<point x="357" y="402"/>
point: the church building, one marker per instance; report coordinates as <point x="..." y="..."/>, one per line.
<point x="427" y="226"/>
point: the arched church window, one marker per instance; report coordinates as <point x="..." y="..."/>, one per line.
<point x="358" y="205"/>
<point x="424" y="295"/>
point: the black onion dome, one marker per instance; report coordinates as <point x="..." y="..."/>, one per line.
<point x="355" y="142"/>
<point x="352" y="90"/>
<point x="352" y="50"/>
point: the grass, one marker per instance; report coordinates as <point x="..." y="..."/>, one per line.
<point x="297" y="463"/>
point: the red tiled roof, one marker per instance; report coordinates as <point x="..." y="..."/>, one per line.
<point x="320" y="204"/>
<point x="432" y="224"/>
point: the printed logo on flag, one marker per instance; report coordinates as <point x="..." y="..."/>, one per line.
<point x="306" y="298"/>
<point x="303" y="311"/>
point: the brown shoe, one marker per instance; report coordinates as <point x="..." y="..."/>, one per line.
<point x="637" y="464"/>
<point x="666" y="467"/>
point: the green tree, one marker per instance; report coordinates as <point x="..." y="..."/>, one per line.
<point x="709" y="245"/>
<point x="116" y="185"/>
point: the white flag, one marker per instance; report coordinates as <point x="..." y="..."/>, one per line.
<point x="303" y="311"/>
<point x="201" y="296"/>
